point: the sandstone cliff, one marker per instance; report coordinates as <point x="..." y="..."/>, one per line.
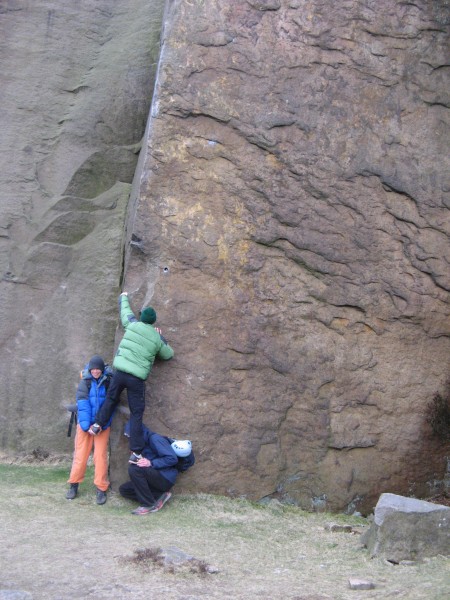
<point x="75" y="90"/>
<point x="292" y="231"/>
<point x="288" y="221"/>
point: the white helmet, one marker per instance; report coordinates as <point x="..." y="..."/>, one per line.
<point x="182" y="448"/>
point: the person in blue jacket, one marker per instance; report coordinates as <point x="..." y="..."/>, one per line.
<point x="155" y="473"/>
<point x="91" y="394"/>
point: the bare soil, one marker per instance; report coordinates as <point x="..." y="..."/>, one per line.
<point x="52" y="548"/>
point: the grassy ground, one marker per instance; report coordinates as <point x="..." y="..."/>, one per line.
<point x="57" y="549"/>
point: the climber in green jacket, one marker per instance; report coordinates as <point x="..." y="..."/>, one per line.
<point x="135" y="356"/>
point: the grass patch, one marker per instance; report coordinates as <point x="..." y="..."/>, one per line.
<point x="254" y="551"/>
<point x="32" y="476"/>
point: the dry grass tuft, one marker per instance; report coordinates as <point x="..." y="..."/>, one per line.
<point x="439" y="414"/>
<point x="149" y="558"/>
<point x="146" y="558"/>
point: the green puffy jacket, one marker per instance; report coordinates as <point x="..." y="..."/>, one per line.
<point x="140" y="345"/>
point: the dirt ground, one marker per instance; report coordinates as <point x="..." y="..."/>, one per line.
<point x="52" y="548"/>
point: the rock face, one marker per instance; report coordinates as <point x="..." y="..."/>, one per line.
<point x="288" y="221"/>
<point x="292" y="231"/>
<point x="408" y="529"/>
<point x="75" y="90"/>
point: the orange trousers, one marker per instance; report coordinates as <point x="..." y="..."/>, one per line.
<point x="83" y="447"/>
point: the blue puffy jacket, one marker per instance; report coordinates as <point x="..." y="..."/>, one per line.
<point x="159" y="451"/>
<point x="91" y="394"/>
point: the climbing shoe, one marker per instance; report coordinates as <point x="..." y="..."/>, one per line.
<point x="142" y="510"/>
<point x="134" y="458"/>
<point x="160" y="503"/>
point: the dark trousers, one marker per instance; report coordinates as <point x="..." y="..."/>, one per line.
<point x="136" y="401"/>
<point x="146" y="485"/>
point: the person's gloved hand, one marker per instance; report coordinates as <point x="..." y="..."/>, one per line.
<point x="124" y="294"/>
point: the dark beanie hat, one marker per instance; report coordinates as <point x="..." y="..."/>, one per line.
<point x="96" y="362"/>
<point x="148" y="315"/>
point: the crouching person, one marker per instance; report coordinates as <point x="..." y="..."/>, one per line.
<point x="91" y="394"/>
<point x="156" y="472"/>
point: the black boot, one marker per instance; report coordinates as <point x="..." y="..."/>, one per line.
<point x="100" y="497"/>
<point x="72" y="491"/>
